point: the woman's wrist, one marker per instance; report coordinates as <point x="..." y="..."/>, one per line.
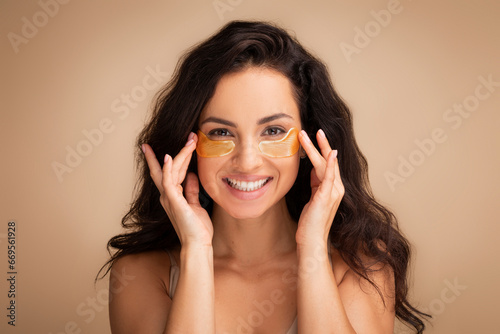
<point x="196" y="249"/>
<point x="312" y="252"/>
<point x="305" y="244"/>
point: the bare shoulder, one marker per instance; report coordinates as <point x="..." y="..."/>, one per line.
<point x="138" y="293"/>
<point x="339" y="266"/>
<point x="151" y="262"/>
<point x="370" y="307"/>
<point x="380" y="274"/>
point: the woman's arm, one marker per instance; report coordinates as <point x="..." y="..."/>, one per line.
<point x="319" y="306"/>
<point x="192" y="309"/>
<point x="323" y="307"/>
<point x="353" y="306"/>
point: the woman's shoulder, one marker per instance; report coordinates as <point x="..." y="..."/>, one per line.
<point x="154" y="258"/>
<point x="369" y="296"/>
<point x="342" y="270"/>
<point x="141" y="267"/>
<point x="377" y="285"/>
<point x="138" y="284"/>
<point x="339" y="266"/>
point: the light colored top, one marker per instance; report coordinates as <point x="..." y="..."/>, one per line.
<point x="174" y="278"/>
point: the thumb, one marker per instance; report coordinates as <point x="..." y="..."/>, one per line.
<point x="192" y="189"/>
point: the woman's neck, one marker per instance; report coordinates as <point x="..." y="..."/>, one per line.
<point x="256" y="240"/>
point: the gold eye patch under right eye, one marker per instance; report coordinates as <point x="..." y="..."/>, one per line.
<point x="207" y="148"/>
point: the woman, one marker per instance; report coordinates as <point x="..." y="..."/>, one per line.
<point x="245" y="219"/>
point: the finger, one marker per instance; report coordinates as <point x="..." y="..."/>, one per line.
<point x="181" y="161"/>
<point x="323" y="143"/>
<point x="172" y="197"/>
<point x="338" y="179"/>
<point x="167" y="174"/>
<point x="183" y="168"/>
<point x="192" y="189"/>
<point x="316" y="158"/>
<point x="154" y="166"/>
<point x="327" y="184"/>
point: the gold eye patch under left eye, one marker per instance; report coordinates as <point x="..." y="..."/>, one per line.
<point x="285" y="147"/>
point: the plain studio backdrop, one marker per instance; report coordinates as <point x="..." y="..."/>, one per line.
<point x="421" y="77"/>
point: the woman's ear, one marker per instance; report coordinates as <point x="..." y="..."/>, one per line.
<point x="302" y="153"/>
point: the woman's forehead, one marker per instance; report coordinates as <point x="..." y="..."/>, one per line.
<point x="251" y="95"/>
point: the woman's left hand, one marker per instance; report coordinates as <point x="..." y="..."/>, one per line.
<point x="327" y="191"/>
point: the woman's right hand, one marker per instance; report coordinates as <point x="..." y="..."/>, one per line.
<point x="191" y="222"/>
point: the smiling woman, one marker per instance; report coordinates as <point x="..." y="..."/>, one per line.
<point x="245" y="219"/>
<point x="249" y="183"/>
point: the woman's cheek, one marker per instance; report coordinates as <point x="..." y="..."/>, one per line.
<point x="207" y="174"/>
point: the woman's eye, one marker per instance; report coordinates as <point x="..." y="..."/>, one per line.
<point x="274" y="131"/>
<point x="219" y="133"/>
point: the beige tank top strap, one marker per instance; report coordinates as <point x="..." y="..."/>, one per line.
<point x="174" y="275"/>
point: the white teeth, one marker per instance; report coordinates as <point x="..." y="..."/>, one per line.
<point x="247" y="186"/>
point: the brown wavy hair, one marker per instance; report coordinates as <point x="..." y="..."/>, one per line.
<point x="361" y="224"/>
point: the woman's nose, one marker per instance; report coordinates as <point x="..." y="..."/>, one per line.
<point x="247" y="156"/>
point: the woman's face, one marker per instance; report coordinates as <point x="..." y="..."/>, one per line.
<point x="249" y="107"/>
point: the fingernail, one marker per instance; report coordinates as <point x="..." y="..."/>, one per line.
<point x="191" y="135"/>
<point x="190" y="141"/>
<point x="321" y="133"/>
<point x="167" y="157"/>
<point x="143" y="148"/>
<point x="304" y="134"/>
<point x="335" y="152"/>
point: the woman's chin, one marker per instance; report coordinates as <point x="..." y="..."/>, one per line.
<point x="245" y="214"/>
<point x="241" y="212"/>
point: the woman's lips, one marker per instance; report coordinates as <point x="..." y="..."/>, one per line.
<point x="247" y="188"/>
<point x="247" y="185"/>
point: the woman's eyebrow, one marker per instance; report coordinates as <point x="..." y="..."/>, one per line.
<point x="261" y="121"/>
<point x="272" y="118"/>
<point x="220" y="121"/>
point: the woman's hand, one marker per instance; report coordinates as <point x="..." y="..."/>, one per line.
<point x="191" y="222"/>
<point x="327" y="192"/>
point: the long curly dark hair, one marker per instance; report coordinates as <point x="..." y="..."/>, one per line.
<point x="361" y="224"/>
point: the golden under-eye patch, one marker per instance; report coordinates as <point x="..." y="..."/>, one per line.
<point x="285" y="147"/>
<point x="207" y="148"/>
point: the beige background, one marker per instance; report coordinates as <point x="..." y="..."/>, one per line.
<point x="68" y="77"/>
